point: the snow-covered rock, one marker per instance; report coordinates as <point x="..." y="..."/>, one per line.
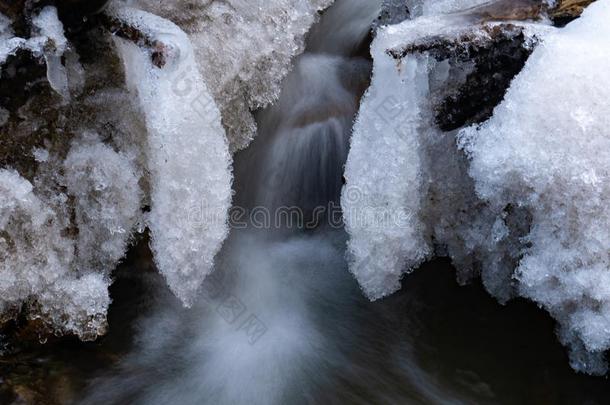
<point x="522" y="201"/>
<point x="37" y="264"/>
<point x="92" y="158"/>
<point x="71" y="198"/>
<point x="547" y="150"/>
<point x="392" y="174"/>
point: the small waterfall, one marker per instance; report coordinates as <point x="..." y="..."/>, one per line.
<point x="297" y="159"/>
<point x="264" y="328"/>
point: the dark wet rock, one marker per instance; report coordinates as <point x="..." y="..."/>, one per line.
<point x="72" y="13"/>
<point x="18" y="11"/>
<point x="496" y="58"/>
<point x="24" y="86"/>
<point x="496" y="63"/>
<point x="12" y="9"/>
<point x="58" y="370"/>
<point x="81" y="7"/>
<point x="77" y="14"/>
<point x="392" y="12"/>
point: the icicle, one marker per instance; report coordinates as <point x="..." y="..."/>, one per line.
<point x="188" y="155"/>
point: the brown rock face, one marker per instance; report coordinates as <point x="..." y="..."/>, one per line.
<point x="504" y="10"/>
<point x="568" y="10"/>
<point x="11" y="8"/>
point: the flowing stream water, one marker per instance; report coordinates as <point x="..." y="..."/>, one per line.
<point x="282" y="320"/>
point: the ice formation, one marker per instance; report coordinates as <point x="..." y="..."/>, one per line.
<point x="547" y="150"/>
<point x="526" y="205"/>
<point x="37" y="263"/>
<point x="386" y="197"/>
<point x="70" y="198"/>
<point x="377" y="201"/>
<point x="51" y="31"/>
<point x="104" y="185"/>
<point x="48" y="41"/>
<point x="430" y="7"/>
<point x="187" y="153"/>
<point x="522" y="201"/>
<point x="244" y="48"/>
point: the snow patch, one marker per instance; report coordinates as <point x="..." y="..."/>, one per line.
<point x="521" y="200"/>
<point x="547" y="150"/>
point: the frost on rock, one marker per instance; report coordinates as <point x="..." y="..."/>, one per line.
<point x="187" y="153"/>
<point x="36" y="264"/>
<point x="104" y="185"/>
<point x="9" y="44"/>
<point x="91" y="157"/>
<point x="6" y="32"/>
<point x="547" y="150"/>
<point x="71" y="169"/>
<point x="77" y="305"/>
<point x="48" y="41"/>
<point x="244" y="49"/>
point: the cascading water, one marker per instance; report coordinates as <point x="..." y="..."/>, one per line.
<point x="297" y="159"/>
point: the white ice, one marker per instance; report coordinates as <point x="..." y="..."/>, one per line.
<point x="37" y="264"/>
<point x="547" y="150"/>
<point x="187" y="154"/>
<point x="527" y="204"/>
